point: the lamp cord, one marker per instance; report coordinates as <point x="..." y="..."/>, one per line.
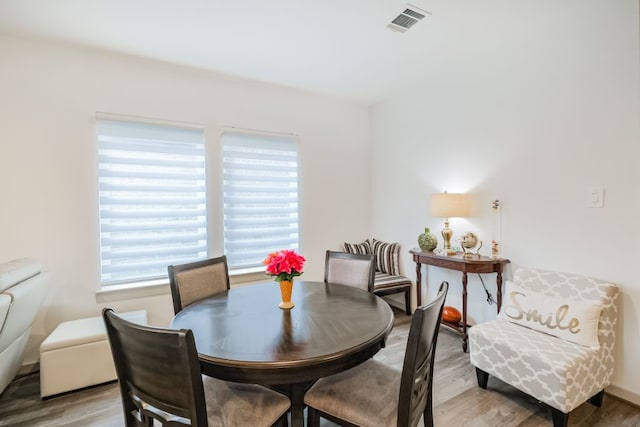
<point x="490" y="299"/>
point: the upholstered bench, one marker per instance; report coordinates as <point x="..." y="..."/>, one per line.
<point x="77" y="354"/>
<point x="386" y="284"/>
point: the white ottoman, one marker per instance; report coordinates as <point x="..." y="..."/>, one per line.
<point x="77" y="355"/>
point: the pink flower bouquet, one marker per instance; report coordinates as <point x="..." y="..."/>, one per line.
<point x="284" y="265"/>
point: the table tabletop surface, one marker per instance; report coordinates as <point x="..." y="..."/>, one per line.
<point x="458" y="257"/>
<point x="244" y="328"/>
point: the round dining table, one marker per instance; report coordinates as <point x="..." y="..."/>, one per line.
<point x="243" y="336"/>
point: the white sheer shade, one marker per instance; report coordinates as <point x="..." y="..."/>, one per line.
<point x="260" y="187"/>
<point x="152" y="199"/>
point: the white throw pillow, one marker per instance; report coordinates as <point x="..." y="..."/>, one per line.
<point x="569" y="319"/>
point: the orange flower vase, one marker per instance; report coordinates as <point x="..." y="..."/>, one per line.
<point x="286" y="289"/>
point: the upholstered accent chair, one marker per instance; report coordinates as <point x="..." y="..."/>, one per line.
<point x="388" y="279"/>
<point x="23" y="288"/>
<point x="563" y="358"/>
<point x="160" y="380"/>
<point x="197" y="280"/>
<point x="355" y="270"/>
<point x="373" y="394"/>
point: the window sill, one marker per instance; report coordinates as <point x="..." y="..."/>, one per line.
<point x="161" y="286"/>
<point x="133" y="290"/>
<point x="247" y="275"/>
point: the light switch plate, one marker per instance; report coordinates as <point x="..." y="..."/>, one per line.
<point x="595" y="197"/>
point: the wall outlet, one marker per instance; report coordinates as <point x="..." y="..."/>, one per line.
<point x="595" y="197"/>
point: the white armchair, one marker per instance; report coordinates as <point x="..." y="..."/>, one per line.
<point x="22" y="291"/>
<point x="561" y="366"/>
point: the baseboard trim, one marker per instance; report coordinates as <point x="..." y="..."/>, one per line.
<point x="623" y="394"/>
<point x="28" y="369"/>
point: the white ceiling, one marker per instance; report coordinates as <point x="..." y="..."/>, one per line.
<point x="340" y="48"/>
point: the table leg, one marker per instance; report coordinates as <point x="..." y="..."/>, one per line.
<point x="499" y="294"/>
<point x="418" y="284"/>
<point x="465" y="337"/>
<point x="297" y="404"/>
<point x="295" y="392"/>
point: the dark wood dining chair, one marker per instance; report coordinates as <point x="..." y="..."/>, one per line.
<point x="373" y="394"/>
<point x="160" y="379"/>
<point x="197" y="280"/>
<point x="356" y="270"/>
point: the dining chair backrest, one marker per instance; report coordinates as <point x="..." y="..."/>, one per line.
<point x="417" y="371"/>
<point x="356" y="270"/>
<point x="197" y="280"/>
<point x="158" y="371"/>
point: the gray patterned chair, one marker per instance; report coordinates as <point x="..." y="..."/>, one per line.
<point x="561" y="370"/>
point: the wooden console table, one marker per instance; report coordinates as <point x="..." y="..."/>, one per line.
<point x="469" y="264"/>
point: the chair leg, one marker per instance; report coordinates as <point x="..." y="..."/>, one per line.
<point x="597" y="399"/>
<point x="428" y="414"/>
<point x="560" y="419"/>
<point x="407" y="301"/>
<point x="483" y="377"/>
<point x="313" y="417"/>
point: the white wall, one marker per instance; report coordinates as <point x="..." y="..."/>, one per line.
<point x="48" y="206"/>
<point x="532" y="108"/>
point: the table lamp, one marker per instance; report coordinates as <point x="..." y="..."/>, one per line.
<point x="448" y="205"/>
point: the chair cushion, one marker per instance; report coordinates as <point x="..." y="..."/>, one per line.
<point x="558" y="372"/>
<point x="370" y="391"/>
<point x="570" y="319"/>
<point x="85" y="331"/>
<point x="387" y="281"/>
<point x="234" y="404"/>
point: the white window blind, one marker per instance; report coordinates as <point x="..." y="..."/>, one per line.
<point x="260" y="192"/>
<point x="152" y="199"/>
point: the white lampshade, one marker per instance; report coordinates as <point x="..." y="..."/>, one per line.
<point x="449" y="205"/>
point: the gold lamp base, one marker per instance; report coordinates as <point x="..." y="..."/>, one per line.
<point x="447" y="233"/>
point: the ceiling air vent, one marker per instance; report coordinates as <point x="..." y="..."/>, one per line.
<point x="410" y="16"/>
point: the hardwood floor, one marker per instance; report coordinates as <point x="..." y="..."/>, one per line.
<point x="458" y="401"/>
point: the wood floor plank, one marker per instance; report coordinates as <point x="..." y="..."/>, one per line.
<point x="457" y="402"/>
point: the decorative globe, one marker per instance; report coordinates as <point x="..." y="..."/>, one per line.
<point x="468" y="240"/>
<point x="427" y="241"/>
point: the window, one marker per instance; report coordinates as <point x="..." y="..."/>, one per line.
<point x="152" y="199"/>
<point x="260" y="192"/>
